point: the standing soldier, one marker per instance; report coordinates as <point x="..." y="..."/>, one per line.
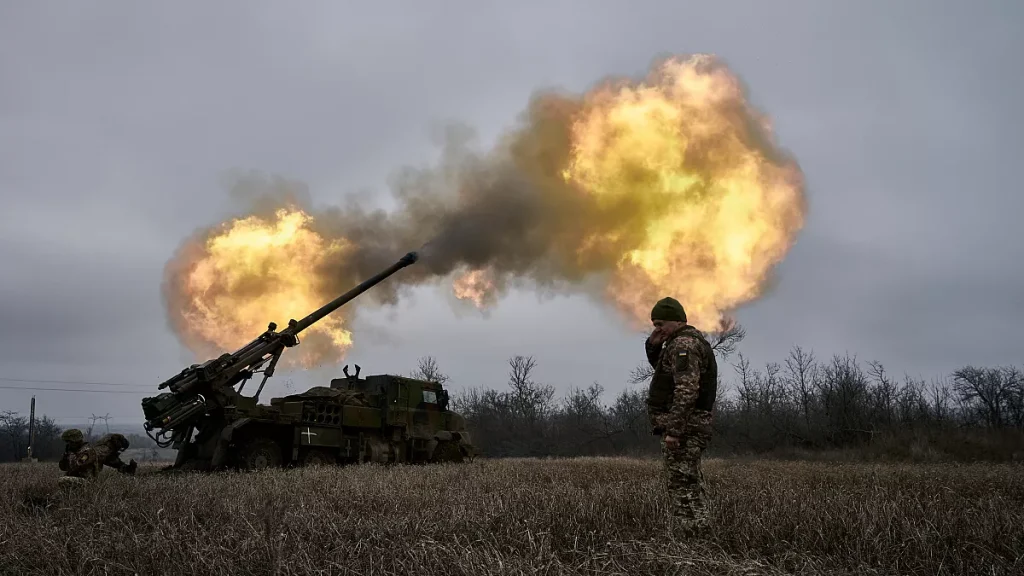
<point x="82" y="460"/>
<point x="680" y="403"/>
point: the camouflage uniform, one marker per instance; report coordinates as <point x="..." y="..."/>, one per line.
<point x="680" y="404"/>
<point x="74" y="441"/>
<point x="85" y="461"/>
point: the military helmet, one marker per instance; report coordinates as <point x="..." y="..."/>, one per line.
<point x="121" y="441"/>
<point x="72" y="435"/>
<point x="115" y="441"/>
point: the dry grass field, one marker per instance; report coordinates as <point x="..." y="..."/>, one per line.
<point x="582" y="516"/>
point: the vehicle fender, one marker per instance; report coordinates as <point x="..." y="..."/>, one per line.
<point x="229" y="430"/>
<point x="220" y="452"/>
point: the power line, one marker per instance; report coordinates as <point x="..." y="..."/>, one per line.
<point x="32" y="381"/>
<point x="78" y="382"/>
<point x="86" y="418"/>
<point x="140" y="392"/>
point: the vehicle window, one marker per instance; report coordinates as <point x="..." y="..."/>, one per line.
<point x="429" y="397"/>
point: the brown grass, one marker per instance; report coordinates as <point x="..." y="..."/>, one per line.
<point x="583" y="516"/>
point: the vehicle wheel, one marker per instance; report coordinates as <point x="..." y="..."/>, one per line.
<point x="259" y="454"/>
<point x="318" y="457"/>
<point x="447" y="452"/>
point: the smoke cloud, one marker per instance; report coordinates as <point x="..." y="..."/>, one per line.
<point x="634" y="190"/>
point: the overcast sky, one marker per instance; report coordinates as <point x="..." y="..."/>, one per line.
<point x="120" y="121"/>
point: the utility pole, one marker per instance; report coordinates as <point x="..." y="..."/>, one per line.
<point x="31" y="430"/>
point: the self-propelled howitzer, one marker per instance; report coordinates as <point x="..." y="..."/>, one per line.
<point x="200" y="393"/>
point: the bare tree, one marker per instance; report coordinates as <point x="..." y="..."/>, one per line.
<point x="641" y="373"/>
<point x="745" y="388"/>
<point x="940" y="401"/>
<point x="13" y="427"/>
<point x="427" y="369"/>
<point x="885" y="390"/>
<point x="520" y="373"/>
<point x="725" y="341"/>
<point x="802" y="371"/>
<point x="844" y="388"/>
<point x="772" y="392"/>
<point x="911" y="402"/>
<point x="629" y="412"/>
<point x="1014" y="382"/>
<point x="14" y="437"/>
<point x="529" y="398"/>
<point x="986" y="391"/>
<point x="586" y="423"/>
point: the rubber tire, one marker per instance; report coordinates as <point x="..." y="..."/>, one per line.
<point x="260" y="454"/>
<point x="318" y="457"/>
<point x="447" y="452"/>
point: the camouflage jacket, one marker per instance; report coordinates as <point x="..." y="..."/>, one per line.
<point x="682" y="392"/>
<point x="69" y="451"/>
<point x="86" y="462"/>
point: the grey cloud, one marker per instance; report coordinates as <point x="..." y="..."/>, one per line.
<point x="117" y="127"/>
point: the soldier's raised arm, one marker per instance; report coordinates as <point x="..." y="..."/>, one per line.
<point x="685" y="356"/>
<point x="653" y="351"/>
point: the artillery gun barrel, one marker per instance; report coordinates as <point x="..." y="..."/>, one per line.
<point x="170" y="410"/>
<point x="340" y="301"/>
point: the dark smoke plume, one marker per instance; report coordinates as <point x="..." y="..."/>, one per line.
<point x="512" y="211"/>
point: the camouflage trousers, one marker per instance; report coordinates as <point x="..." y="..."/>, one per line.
<point x="686" y="486"/>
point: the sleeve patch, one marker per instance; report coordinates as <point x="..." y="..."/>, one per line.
<point x="682" y="361"/>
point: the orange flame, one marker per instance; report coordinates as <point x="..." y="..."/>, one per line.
<point x="719" y="216"/>
<point x="476" y="286"/>
<point x="255" y="271"/>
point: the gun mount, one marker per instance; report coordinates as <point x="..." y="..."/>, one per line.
<point x="201" y="396"/>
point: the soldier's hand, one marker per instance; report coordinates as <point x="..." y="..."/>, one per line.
<point x="671" y="441"/>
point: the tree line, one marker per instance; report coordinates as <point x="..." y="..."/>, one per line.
<point x="15" y="437"/>
<point x="801" y="406"/>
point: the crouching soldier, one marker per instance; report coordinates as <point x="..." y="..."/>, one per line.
<point x="85" y="461"/>
<point x="74" y="441"/>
